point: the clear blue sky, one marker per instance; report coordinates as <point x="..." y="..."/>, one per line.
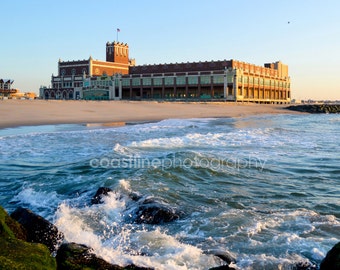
<point x="35" y="34"/>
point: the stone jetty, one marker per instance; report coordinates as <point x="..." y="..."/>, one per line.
<point x="316" y="108"/>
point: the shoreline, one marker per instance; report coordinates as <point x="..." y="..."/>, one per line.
<point x="15" y="113"/>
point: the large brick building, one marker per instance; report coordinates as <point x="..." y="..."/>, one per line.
<point x="69" y="82"/>
<point x="228" y="79"/>
<point x="119" y="78"/>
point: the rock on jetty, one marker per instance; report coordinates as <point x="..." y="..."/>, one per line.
<point x="316" y="108"/>
<point x="332" y="259"/>
<point x="19" y="249"/>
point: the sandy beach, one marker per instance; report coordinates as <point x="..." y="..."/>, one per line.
<point x="41" y="112"/>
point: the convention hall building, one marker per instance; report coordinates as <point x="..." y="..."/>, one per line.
<point x="119" y="78"/>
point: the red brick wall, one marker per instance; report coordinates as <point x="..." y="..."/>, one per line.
<point x="100" y="67"/>
<point x="117" y="52"/>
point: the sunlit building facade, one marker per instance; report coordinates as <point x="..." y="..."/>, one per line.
<point x="72" y="81"/>
<point x="228" y="80"/>
<point x="119" y="78"/>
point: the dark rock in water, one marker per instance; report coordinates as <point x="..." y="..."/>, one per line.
<point x="38" y="229"/>
<point x="102" y="191"/>
<point x="225" y="256"/>
<point x="8" y="225"/>
<point x="72" y="256"/>
<point x="150" y="211"/>
<point x="18" y="254"/>
<point x="76" y="256"/>
<point x="316" y="108"/>
<point x="222" y="267"/>
<point x="306" y="265"/>
<point x="332" y="259"/>
<point x="135" y="196"/>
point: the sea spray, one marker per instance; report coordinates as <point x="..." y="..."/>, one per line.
<point x="101" y="227"/>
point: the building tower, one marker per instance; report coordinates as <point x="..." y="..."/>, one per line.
<point x="117" y="52"/>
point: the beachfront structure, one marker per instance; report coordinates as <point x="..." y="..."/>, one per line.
<point x="229" y="80"/>
<point x="6" y="87"/>
<point x="120" y="78"/>
<point x="8" y="92"/>
<point x="72" y="78"/>
<point x="101" y="87"/>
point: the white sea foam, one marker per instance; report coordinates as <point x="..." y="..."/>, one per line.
<point x="163" y="126"/>
<point x="41" y="202"/>
<point x="263" y="216"/>
<point x="254" y="262"/>
<point x="125" y="185"/>
<point x="101" y="227"/>
<point x="125" y="151"/>
<point x="188" y="140"/>
<point x="238" y="138"/>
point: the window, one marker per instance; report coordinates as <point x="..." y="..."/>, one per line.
<point x="193" y="80"/>
<point x="146" y="81"/>
<point x="157" y="81"/>
<point x="205" y="79"/>
<point x="229" y="79"/>
<point x="126" y="82"/>
<point x="180" y="80"/>
<point x="169" y="80"/>
<point x="135" y="81"/>
<point x="218" y="79"/>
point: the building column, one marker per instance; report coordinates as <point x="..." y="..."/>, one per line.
<point x="130" y="87"/>
<point x="242" y="87"/>
<point x="163" y="87"/>
<point x="186" y="86"/>
<point x="175" y="86"/>
<point x="141" y="87"/>
<point x="199" y="84"/>
<point x="112" y="89"/>
<point x="225" y="84"/>
<point x="120" y="88"/>
<point x="152" y="85"/>
<point x="212" y="86"/>
<point x="235" y="85"/>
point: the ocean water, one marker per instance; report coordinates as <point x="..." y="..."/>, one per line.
<point x="265" y="189"/>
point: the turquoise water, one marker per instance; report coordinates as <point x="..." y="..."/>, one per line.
<point x="263" y="188"/>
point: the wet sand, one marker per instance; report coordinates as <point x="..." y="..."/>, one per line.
<point x="114" y="113"/>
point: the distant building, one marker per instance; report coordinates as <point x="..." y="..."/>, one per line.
<point x="6" y="91"/>
<point x="120" y="78"/>
<point x="6" y="88"/>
